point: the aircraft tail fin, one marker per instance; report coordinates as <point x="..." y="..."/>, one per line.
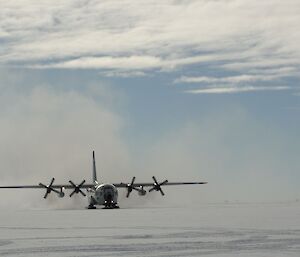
<point x="94" y="170"/>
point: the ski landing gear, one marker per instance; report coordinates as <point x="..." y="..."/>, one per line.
<point x="111" y="207"/>
<point x="91" y="206"/>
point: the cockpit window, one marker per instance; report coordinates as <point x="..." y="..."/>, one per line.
<point x="107" y="187"/>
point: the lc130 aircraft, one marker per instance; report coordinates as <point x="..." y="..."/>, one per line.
<point x="102" y="194"/>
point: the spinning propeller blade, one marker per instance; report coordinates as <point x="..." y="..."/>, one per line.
<point x="77" y="188"/>
<point x="157" y="186"/>
<point x="130" y="187"/>
<point x="49" y="188"/>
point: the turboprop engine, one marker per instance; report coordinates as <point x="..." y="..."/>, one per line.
<point x="49" y="188"/>
<point x="141" y="190"/>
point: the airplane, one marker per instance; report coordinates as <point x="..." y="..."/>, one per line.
<point x="105" y="194"/>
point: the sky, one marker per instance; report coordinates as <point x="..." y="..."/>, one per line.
<point x="200" y="90"/>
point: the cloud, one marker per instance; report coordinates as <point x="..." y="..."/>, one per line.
<point x="239" y="41"/>
<point x="123" y="74"/>
<point x="239" y="83"/>
<point x="232" y="79"/>
<point x="122" y="63"/>
<point x="232" y="90"/>
<point x="152" y="35"/>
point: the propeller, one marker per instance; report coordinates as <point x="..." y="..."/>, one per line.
<point x="157" y="186"/>
<point x="130" y="187"/>
<point x="49" y="188"/>
<point x="77" y="188"/>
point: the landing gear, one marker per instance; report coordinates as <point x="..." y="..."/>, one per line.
<point x="111" y="206"/>
<point x="91" y="206"/>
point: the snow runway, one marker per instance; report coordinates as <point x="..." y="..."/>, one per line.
<point x="205" y="230"/>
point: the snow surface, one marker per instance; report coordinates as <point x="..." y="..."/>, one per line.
<point x="204" y="230"/>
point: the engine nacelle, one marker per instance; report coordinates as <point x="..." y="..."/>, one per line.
<point x="142" y="191"/>
<point x="61" y="194"/>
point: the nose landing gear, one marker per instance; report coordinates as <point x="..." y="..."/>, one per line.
<point x="109" y="203"/>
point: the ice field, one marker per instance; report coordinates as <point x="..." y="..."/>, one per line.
<point x="205" y="230"/>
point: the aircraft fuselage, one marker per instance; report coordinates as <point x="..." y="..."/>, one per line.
<point x="104" y="194"/>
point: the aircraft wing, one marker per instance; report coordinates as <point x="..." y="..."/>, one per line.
<point x="58" y="189"/>
<point x="154" y="185"/>
<point x="66" y="186"/>
<point x="119" y="185"/>
<point x="27" y="186"/>
<point x="165" y="184"/>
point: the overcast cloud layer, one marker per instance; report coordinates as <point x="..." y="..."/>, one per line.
<point x="242" y="38"/>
